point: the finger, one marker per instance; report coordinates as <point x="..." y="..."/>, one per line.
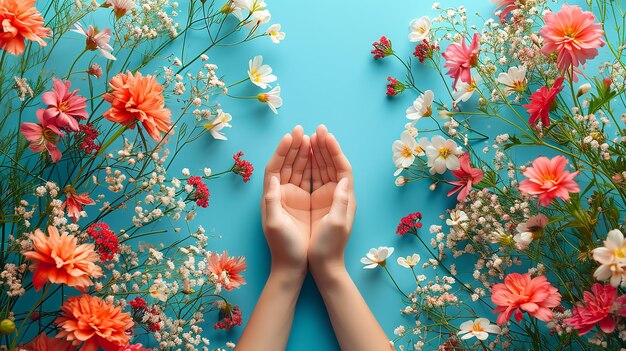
<point x="276" y="162"/>
<point x="340" y="161"/>
<point x="287" y="168"/>
<point x="305" y="184"/>
<point x="339" y="208"/>
<point x="322" y="134"/>
<point x="301" y="161"/>
<point x="318" y="166"/>
<point x="273" y="207"/>
<point x="316" y="177"/>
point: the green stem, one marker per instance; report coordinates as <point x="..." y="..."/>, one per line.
<point x="69" y="73"/>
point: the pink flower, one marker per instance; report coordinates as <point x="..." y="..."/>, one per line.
<point x="573" y="35"/>
<point x="42" y="136"/>
<point x="120" y="7"/>
<point x="466" y="176"/>
<point x="460" y="58"/>
<point x="600" y="303"/>
<point x="96" y="40"/>
<point x="75" y="202"/>
<point x="65" y="108"/>
<point x="541" y="103"/>
<point x="134" y="347"/>
<point x="521" y="292"/>
<point x="505" y="6"/>
<point x="548" y="179"/>
<point x="227" y="269"/>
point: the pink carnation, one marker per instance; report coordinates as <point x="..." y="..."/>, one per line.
<point x="65" y="108"/>
<point x="548" y="179"/>
<point x="541" y="103"/>
<point x="600" y="303"/>
<point x="460" y="58"/>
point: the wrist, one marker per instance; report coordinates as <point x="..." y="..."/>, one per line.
<point x="329" y="273"/>
<point x="288" y="273"/>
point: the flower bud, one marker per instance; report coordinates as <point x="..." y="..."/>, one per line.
<point x="607" y="82"/>
<point x="445" y="114"/>
<point x="7" y="327"/>
<point x="583" y="89"/>
<point x="400" y="181"/>
<point x="433" y="186"/>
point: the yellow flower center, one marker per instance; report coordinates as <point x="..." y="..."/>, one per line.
<point x="63" y="106"/>
<point x="418" y="149"/>
<point x="429" y="111"/>
<point x="477" y="328"/>
<point x="406" y="152"/>
<point x="255" y="76"/>
<point x="444" y="152"/>
<point x="263" y="97"/>
<point x="621" y="252"/>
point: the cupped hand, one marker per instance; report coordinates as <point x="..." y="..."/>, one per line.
<point x="286" y="203"/>
<point x="332" y="203"/>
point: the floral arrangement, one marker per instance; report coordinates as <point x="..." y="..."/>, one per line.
<point x="529" y="140"/>
<point x="86" y="152"/>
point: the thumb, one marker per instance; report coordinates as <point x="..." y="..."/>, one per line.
<point x="339" y="207"/>
<point x="273" y="205"/>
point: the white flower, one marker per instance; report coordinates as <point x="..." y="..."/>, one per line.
<point x="159" y="290"/>
<point x="514" y="80"/>
<point x="612" y="259"/>
<point x="219" y="122"/>
<point x="456" y="218"/>
<point x="422" y="106"/>
<point x="250" y="5"/>
<point x="522" y="240"/>
<point x="409" y="261"/>
<point x="271" y="98"/>
<point x="419" y="29"/>
<point x="464" y="91"/>
<point x="442" y="154"/>
<point x="259" y="73"/>
<point x="410" y="127"/>
<point x="479" y="328"/>
<point x="377" y="257"/>
<point x="583" y="89"/>
<point x="96" y="40"/>
<point x="275" y="34"/>
<point x="400" y="180"/>
<point x="405" y="150"/>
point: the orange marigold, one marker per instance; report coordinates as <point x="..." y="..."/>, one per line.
<point x="20" y="20"/>
<point x="94" y="323"/>
<point x="59" y="259"/>
<point x="138" y="98"/>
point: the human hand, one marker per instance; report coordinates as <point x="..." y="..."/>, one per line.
<point x="332" y="203"/>
<point x="285" y="205"/>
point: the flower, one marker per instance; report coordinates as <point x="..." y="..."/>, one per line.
<point x="201" y="195"/>
<point x="522" y="240"/>
<point x="86" y="138"/>
<point x="419" y="29"/>
<point x="583" y="89"/>
<point x="96" y="40"/>
<point x="533" y="225"/>
<point x="466" y="177"/>
<point x="514" y="80"/>
<point x="42" y="136"/>
<point x="59" y="259"/>
<point x="159" y="290"/>
<point x="409" y="261"/>
<point x="134" y="347"/>
<point x="250" y="5"/>
<point x="20" y="21"/>
<point x="259" y="73"/>
<point x="120" y="7"/>
<point x="95" y="70"/>
<point x="138" y="304"/>
<point x="377" y="257"/>
<point x="382" y="48"/>
<point x="422" y="106"/>
<point x="424" y="50"/>
<point x="227" y="269"/>
<point x="442" y="154"/>
<point x="65" y="108"/>
<point x="506" y="7"/>
<point x="612" y="259"/>
<point x="271" y="98"/>
<point x="541" y="103"/>
<point x="394" y="87"/>
<point x="230" y="316"/>
<point x="573" y="35"/>
<point x="460" y="58"/>
<point x="410" y="224"/>
<point x="548" y="179"/>
<point x="457" y="217"/>
<point x="242" y="167"/>
<point x="75" y="203"/>
<point x="405" y="150"/>
<point x="600" y="303"/>
<point x="42" y="342"/>
<point x="107" y="243"/>
<point x="136" y="98"/>
<point x="275" y="34"/>
<point x="94" y="323"/>
<point x="479" y="328"/>
<point x="521" y="292"/>
<point x="218" y="123"/>
<point x="464" y="91"/>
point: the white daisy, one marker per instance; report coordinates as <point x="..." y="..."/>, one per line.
<point x="377" y="257"/>
<point x="442" y="155"/>
<point x="612" y="259"/>
<point x="422" y="106"/>
<point x="514" y="80"/>
<point x="275" y="34"/>
<point x="419" y="29"/>
<point x="456" y="218"/>
<point x="259" y="73"/>
<point x="409" y="261"/>
<point x="479" y="328"/>
<point x="218" y="123"/>
<point x="271" y="98"/>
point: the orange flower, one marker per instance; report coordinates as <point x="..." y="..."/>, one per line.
<point x="20" y="20"/>
<point x="45" y="343"/>
<point x="227" y="269"/>
<point x="138" y="98"/>
<point x="60" y="260"/>
<point x="90" y="321"/>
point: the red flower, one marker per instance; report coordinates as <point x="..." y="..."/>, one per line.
<point x="600" y="303"/>
<point x="228" y="317"/>
<point x="410" y="224"/>
<point x="75" y="202"/>
<point x="87" y="138"/>
<point x="138" y="304"/>
<point x="202" y="191"/>
<point x="541" y="103"/>
<point x="382" y="48"/>
<point x="466" y="176"/>
<point x="242" y="167"/>
<point x="394" y="87"/>
<point x="425" y="50"/>
<point x="107" y="243"/>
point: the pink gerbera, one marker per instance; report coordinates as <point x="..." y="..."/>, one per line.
<point x="65" y="108"/>
<point x="521" y="292"/>
<point x="227" y="269"/>
<point x="42" y="136"/>
<point x="573" y="35"/>
<point x="466" y="176"/>
<point x="600" y="303"/>
<point x="541" y="103"/>
<point x="548" y="179"/>
<point x="460" y="58"/>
